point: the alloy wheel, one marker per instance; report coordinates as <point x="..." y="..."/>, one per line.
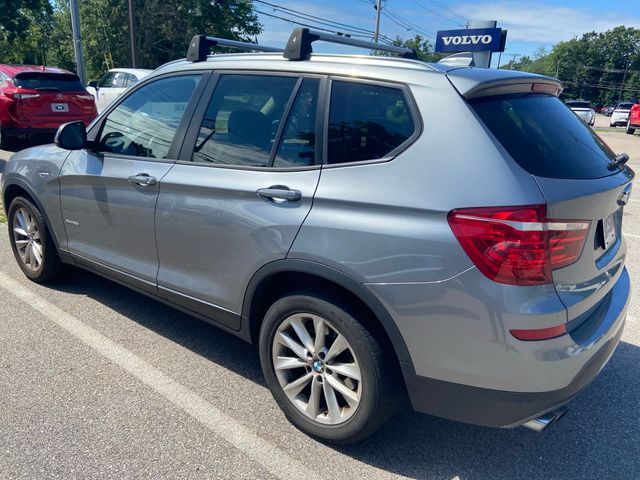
<point x="26" y="236"/>
<point x="317" y="368"/>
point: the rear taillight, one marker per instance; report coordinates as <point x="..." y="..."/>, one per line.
<point x="19" y="96"/>
<point x="85" y="97"/>
<point x="518" y="245"/>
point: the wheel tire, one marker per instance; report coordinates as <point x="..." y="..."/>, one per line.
<point x="629" y="129"/>
<point x="38" y="237"/>
<point x="380" y="388"/>
<point x="6" y="143"/>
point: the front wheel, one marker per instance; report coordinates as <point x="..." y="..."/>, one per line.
<point x="31" y="242"/>
<point x="331" y="377"/>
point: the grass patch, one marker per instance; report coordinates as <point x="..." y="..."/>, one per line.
<point x="3" y="217"/>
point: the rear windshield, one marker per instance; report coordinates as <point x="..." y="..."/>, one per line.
<point x="625" y="106"/>
<point x="545" y="137"/>
<point x="578" y="104"/>
<point x="55" y="82"/>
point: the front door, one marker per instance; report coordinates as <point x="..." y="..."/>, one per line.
<point x="109" y="193"/>
<point x="241" y="193"/>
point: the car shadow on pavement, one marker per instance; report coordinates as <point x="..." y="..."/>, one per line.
<point x="2" y="164"/>
<point x="598" y="438"/>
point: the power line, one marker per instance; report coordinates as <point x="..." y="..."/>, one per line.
<point x="444" y="15"/>
<point x="394" y="17"/>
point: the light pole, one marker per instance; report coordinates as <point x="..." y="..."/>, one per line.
<point x="378" y="10"/>
<point x="132" y="37"/>
<point x="77" y="40"/>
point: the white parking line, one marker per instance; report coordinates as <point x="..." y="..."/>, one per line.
<point x="249" y="443"/>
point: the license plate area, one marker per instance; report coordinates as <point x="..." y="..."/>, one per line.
<point x="60" y="107"/>
<point x="609" y="231"/>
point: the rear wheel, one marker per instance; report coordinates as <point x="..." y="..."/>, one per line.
<point x="31" y="242"/>
<point x="630" y="130"/>
<point x="330" y="376"/>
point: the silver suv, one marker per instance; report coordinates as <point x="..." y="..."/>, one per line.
<point x="380" y="227"/>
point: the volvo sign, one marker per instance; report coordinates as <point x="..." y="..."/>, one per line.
<point x="471" y="40"/>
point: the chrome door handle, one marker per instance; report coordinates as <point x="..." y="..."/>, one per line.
<point x="280" y="194"/>
<point x="143" y="179"/>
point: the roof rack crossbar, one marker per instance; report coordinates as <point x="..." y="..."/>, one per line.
<point x="299" y="44"/>
<point x="201" y="46"/>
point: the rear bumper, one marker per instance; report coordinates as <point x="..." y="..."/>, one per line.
<point x="495" y="408"/>
<point x="487" y="377"/>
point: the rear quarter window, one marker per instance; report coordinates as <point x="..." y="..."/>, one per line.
<point x="367" y="121"/>
<point x="544" y="137"/>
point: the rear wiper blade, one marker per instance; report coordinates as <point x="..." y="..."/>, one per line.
<point x="619" y="161"/>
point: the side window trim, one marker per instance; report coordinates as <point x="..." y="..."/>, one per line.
<point x="186" y="152"/>
<point x="95" y="131"/>
<point x="413" y="110"/>
<point x="284" y="120"/>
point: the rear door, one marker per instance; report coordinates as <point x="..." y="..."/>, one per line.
<point x="109" y="193"/>
<point x="53" y="99"/>
<point x="573" y="168"/>
<point x="241" y="190"/>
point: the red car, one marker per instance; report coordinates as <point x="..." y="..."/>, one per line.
<point x="35" y="101"/>
<point x="634" y="119"/>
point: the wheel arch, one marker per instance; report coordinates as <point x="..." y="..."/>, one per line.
<point x="280" y="277"/>
<point x="17" y="188"/>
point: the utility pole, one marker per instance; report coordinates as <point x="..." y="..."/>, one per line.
<point x="558" y="68"/>
<point x="624" y="78"/>
<point x="378" y="11"/>
<point x="77" y="41"/>
<point x="499" y="58"/>
<point x="132" y="36"/>
<point x="513" y="59"/>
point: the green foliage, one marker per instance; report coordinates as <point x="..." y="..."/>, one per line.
<point x="593" y="66"/>
<point x="163" y="31"/>
<point x="423" y="47"/>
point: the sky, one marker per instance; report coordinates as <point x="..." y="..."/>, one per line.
<point x="531" y="23"/>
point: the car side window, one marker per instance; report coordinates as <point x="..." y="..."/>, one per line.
<point x="297" y="146"/>
<point x="131" y="79"/>
<point x="242" y="119"/>
<point x="366" y="121"/>
<point x="145" y="122"/>
<point x="105" y="81"/>
<point x="119" y="80"/>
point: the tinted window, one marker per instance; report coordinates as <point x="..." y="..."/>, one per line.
<point x="366" y="122"/>
<point x="105" y="81"/>
<point x="578" y="104"/>
<point x="131" y="79"/>
<point x="242" y="119"/>
<point x="119" y="80"/>
<point x="625" y="106"/>
<point x="545" y="137"/>
<point x="144" y="123"/>
<point x="298" y="143"/>
<point x="55" y="82"/>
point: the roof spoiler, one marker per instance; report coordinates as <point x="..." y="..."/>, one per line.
<point x="201" y="45"/>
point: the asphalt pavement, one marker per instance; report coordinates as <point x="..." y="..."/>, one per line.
<point x="97" y="381"/>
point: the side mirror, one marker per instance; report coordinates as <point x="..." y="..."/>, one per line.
<point x="93" y="84"/>
<point x="71" y="136"/>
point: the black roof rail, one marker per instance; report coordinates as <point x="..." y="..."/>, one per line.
<point x="201" y="45"/>
<point x="299" y="44"/>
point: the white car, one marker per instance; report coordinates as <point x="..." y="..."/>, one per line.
<point x="113" y="83"/>
<point x="583" y="110"/>
<point x="620" y="115"/>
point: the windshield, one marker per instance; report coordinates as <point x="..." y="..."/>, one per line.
<point x="624" y="106"/>
<point x="56" y="82"/>
<point x="544" y="137"/>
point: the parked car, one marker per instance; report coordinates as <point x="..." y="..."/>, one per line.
<point x="607" y="111"/>
<point x="583" y="110"/>
<point x="35" y="101"/>
<point x="330" y="218"/>
<point x="113" y="83"/>
<point x="620" y="114"/>
<point x="634" y="119"/>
